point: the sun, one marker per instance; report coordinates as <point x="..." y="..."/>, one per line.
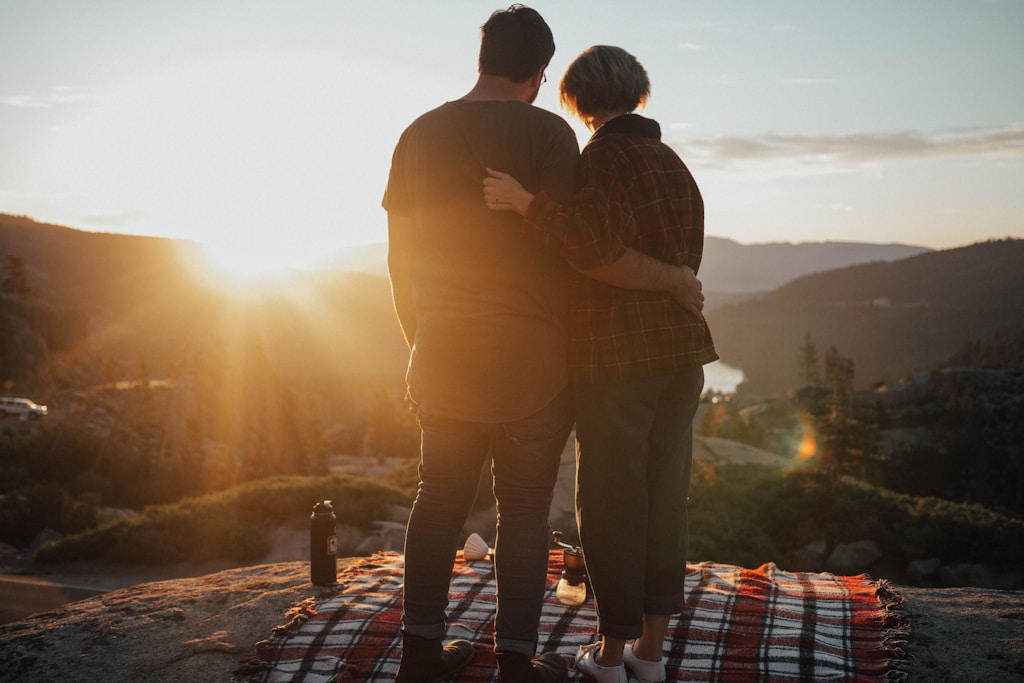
<point x="249" y="155"/>
<point x="239" y="268"/>
<point x="244" y="261"/>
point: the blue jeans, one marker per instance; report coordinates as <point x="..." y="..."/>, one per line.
<point x="634" y="453"/>
<point x="525" y="456"/>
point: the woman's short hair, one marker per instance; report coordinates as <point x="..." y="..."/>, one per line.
<point x="515" y="43"/>
<point x="604" y="79"/>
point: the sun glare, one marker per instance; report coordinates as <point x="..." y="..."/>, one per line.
<point x="251" y="155"/>
<point x="244" y="261"/>
<point x="237" y="269"/>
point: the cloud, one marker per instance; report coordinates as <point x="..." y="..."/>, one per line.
<point x="809" y="81"/>
<point x="861" y="148"/>
<point x="57" y="95"/>
<point x="112" y="220"/>
<point x="24" y="101"/>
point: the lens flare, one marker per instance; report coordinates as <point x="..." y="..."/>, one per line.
<point x="808" y="447"/>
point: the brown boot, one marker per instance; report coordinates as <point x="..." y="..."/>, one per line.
<point x="514" y="667"/>
<point x="426" y="660"/>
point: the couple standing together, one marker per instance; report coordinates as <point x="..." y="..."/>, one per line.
<point x="568" y="298"/>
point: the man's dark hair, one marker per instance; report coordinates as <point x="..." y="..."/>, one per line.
<point x="514" y="43"/>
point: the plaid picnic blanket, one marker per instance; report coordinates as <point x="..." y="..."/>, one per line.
<point x="739" y="625"/>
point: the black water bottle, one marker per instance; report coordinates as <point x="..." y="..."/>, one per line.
<point x="323" y="545"/>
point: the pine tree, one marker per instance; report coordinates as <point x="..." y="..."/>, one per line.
<point x="809" y="361"/>
<point x="14" y="277"/>
<point x="839" y="435"/>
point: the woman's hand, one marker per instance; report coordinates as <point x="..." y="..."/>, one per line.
<point x="687" y="290"/>
<point x="502" y="192"/>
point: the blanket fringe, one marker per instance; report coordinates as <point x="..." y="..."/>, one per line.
<point x="897" y="629"/>
<point x="255" y="668"/>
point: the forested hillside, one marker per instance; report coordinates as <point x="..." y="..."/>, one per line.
<point x="103" y="307"/>
<point x="160" y="383"/>
<point x="888" y="318"/>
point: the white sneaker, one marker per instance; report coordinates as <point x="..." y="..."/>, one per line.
<point x="644" y="670"/>
<point x="586" y="661"/>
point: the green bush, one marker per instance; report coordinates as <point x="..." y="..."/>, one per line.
<point x="739" y="514"/>
<point x="27" y="511"/>
<point x="405" y="478"/>
<point x="750" y="514"/>
<point x="227" y="525"/>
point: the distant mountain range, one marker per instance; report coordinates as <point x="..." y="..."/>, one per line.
<point x="891" y="308"/>
<point x="890" y="318"/>
<point x="107" y="306"/>
<point x="728" y="267"/>
<point x="731" y="267"/>
<point x="122" y="302"/>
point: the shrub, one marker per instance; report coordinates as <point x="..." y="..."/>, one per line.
<point x="27" y="511"/>
<point x="226" y="525"/>
<point x="750" y="514"/>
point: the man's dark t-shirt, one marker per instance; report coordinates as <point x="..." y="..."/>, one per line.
<point x="490" y="341"/>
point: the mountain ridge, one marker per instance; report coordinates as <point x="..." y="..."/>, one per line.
<point x="890" y="318"/>
<point x="140" y="302"/>
<point x="728" y="266"/>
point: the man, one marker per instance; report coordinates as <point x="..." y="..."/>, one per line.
<point x="483" y="312"/>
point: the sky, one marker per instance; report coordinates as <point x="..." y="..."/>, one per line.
<point x="265" y="129"/>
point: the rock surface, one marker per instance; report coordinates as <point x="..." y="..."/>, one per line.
<point x="202" y="628"/>
<point x="193" y="629"/>
<point x="199" y="623"/>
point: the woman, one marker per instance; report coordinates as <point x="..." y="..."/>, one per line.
<point x="636" y="358"/>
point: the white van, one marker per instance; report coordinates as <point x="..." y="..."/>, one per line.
<point x="21" y="407"/>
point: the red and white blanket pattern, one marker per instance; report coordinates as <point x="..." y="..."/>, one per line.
<point x="739" y="625"/>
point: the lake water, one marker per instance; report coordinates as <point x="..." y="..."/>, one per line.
<point x="721" y="377"/>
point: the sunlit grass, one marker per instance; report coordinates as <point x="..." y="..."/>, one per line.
<point x="231" y="525"/>
<point x="751" y="514"/>
<point x="741" y="514"/>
